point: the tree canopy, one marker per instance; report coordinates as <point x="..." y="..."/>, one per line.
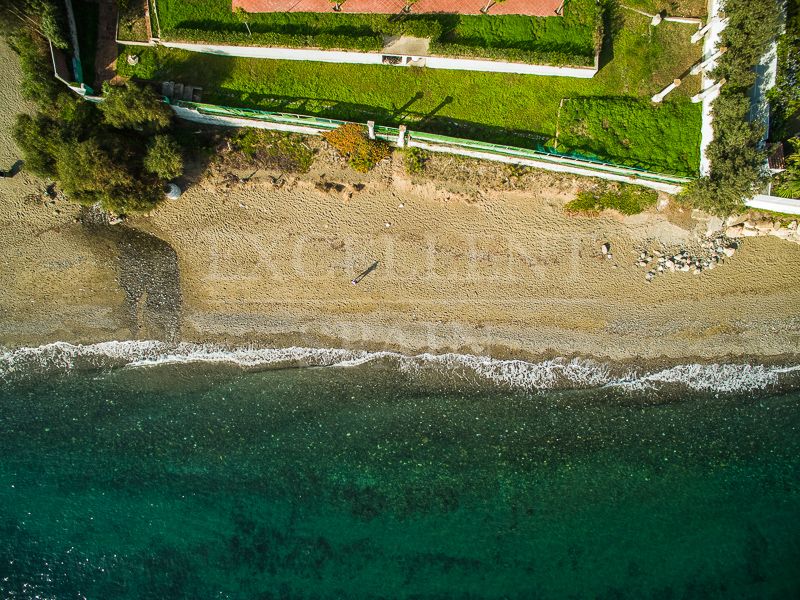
<point x="131" y="106"/>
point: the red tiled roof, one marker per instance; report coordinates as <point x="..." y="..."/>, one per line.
<point x="535" y="8"/>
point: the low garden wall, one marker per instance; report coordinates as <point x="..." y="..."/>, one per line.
<point x="233" y="117"/>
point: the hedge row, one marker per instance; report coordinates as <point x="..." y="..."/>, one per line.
<point x="540" y="57"/>
<point x="326" y="41"/>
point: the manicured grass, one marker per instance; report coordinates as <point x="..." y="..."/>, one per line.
<point x="86" y="19"/>
<point x="513" y="109"/>
<point x="569" y="39"/>
<point x="663" y="136"/>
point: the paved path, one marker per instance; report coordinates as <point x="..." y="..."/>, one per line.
<point x="537" y="8"/>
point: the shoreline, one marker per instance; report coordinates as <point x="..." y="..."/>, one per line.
<point x="559" y="373"/>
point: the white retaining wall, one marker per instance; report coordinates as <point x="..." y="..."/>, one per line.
<point x="775" y="203"/>
<point x="376" y="58"/>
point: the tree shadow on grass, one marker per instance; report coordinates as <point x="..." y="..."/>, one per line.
<point x="429" y="121"/>
<point x="613" y="22"/>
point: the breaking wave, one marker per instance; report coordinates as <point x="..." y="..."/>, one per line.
<point x="550" y="374"/>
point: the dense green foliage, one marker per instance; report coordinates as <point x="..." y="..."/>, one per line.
<point x="785" y="104"/>
<point x="737" y="162"/>
<point x="91" y="162"/>
<point x="37" y="84"/>
<point x="132" y="106"/>
<point x="503" y="108"/>
<point x="351" y="141"/>
<point x="572" y="39"/>
<point x="41" y="17"/>
<point x="785" y="96"/>
<point x="627" y="199"/>
<point x="272" y="149"/>
<point x="622" y="129"/>
<point x="96" y="156"/>
<point x="787" y="184"/>
<point x="164" y="158"/>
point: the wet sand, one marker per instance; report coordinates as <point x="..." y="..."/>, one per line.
<point x="474" y="259"/>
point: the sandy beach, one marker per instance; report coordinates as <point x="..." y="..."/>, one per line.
<point x="472" y="258"/>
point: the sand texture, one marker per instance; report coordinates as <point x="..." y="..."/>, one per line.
<point x="472" y="258"/>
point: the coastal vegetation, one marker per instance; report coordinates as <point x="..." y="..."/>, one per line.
<point x="502" y="108"/>
<point x="271" y="149"/>
<point x="99" y="157"/>
<point x="415" y="159"/>
<point x="352" y="143"/>
<point x="737" y="158"/>
<point x="572" y="39"/>
<point x="626" y="199"/>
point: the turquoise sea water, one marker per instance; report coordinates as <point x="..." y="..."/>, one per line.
<point x="135" y="477"/>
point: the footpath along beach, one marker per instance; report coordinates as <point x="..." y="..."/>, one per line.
<point x="472" y="258"/>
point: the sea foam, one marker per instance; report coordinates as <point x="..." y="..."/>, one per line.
<point x="558" y="373"/>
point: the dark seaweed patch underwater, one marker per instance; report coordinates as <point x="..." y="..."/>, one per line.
<point x="209" y="481"/>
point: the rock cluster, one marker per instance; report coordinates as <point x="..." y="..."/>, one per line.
<point x="751" y="228"/>
<point x="712" y="251"/>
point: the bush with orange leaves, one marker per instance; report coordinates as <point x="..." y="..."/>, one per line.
<point x="353" y="143"/>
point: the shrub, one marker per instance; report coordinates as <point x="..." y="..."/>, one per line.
<point x="38" y="138"/>
<point x="627" y="199"/>
<point x="38" y="84"/>
<point x="164" y="158"/>
<point x="53" y="21"/>
<point x="788" y="183"/>
<point x="352" y="142"/>
<point x="133" y="106"/>
<point x="415" y="160"/>
<point x="273" y="149"/>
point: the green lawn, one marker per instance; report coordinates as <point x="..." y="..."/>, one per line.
<point x="514" y="109"/>
<point x="661" y="137"/>
<point x="567" y="40"/>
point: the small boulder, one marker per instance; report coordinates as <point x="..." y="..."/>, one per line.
<point x="736" y="231"/>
